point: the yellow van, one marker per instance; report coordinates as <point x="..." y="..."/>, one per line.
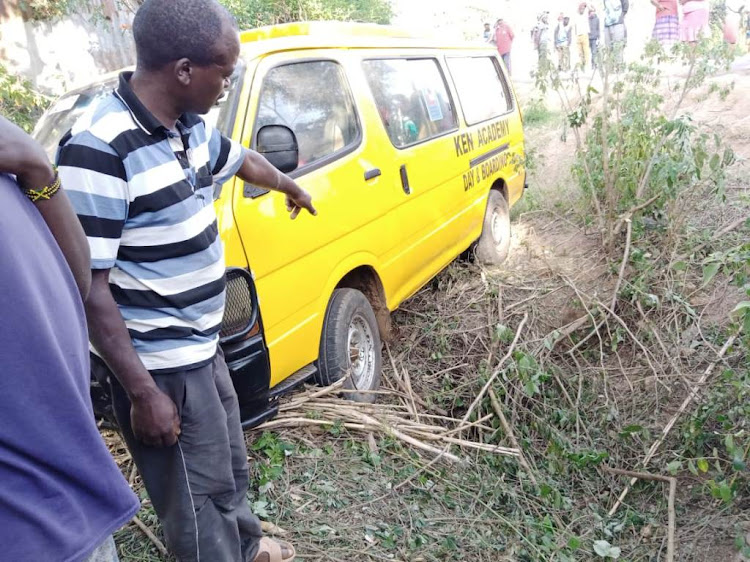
<point x="411" y="151"/>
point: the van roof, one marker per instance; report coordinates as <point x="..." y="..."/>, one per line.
<point x="334" y="34"/>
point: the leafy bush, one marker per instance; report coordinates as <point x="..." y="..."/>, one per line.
<point x="636" y="150"/>
<point x="44" y="10"/>
<point x="18" y="102"/>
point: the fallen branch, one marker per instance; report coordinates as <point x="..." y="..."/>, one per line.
<point x="723" y="232"/>
<point x="151" y="536"/>
<point x="317" y="394"/>
<point x="566" y="331"/>
<point x="497" y="372"/>
<point x="671" y="525"/>
<point x="692" y="394"/>
<point x="623" y="265"/>
<point x="369" y="425"/>
<point x="509" y="432"/>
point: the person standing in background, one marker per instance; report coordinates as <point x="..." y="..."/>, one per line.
<point x="582" y="35"/>
<point x="667" y="26"/>
<point x="541" y="37"/>
<point x="563" y="40"/>
<point x="487" y="34"/>
<point x="733" y="21"/>
<point x="695" y="21"/>
<point x="595" y="31"/>
<point x="615" y="34"/>
<point x="504" y="41"/>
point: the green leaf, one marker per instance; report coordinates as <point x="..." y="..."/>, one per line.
<point x="725" y="492"/>
<point x="674" y="467"/>
<point x="574" y="543"/>
<point x="710" y="271"/>
<point x="606" y="550"/>
<point x="691" y="467"/>
<point x="715" y="163"/>
<point x="260" y="508"/>
<point x="602" y="548"/>
<point x="703" y="465"/>
<point x="729" y="444"/>
<point x="679" y="266"/>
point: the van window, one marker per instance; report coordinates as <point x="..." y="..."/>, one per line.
<point x="312" y="99"/>
<point x="412" y="99"/>
<point x="481" y="88"/>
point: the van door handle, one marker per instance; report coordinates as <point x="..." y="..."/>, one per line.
<point x="372" y="174"/>
<point x="405" y="180"/>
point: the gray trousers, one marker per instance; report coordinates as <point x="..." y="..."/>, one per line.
<point x="506" y="60"/>
<point x="615" y="37"/>
<point x="198" y="487"/>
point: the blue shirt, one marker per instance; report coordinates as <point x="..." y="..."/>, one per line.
<point x="145" y="196"/>
<point x="61" y="493"/>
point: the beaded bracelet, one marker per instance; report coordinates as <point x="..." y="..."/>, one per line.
<point x="47" y="192"/>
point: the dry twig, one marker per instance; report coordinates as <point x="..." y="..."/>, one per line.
<point x="691" y="396"/>
<point x="671" y="526"/>
<point x="511" y="435"/>
<point x="497" y="372"/>
<point x="151" y="536"/>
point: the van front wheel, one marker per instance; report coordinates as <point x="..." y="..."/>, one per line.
<point x="350" y="345"/>
<point x="494" y="243"/>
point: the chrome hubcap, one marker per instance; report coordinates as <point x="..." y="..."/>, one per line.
<point x="361" y="353"/>
<point x="497" y="229"/>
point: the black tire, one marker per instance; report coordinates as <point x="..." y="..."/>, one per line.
<point x="493" y="245"/>
<point x="350" y="328"/>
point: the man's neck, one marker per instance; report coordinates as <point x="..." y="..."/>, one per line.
<point x="154" y="96"/>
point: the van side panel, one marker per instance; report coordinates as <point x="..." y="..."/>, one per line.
<point x="296" y="262"/>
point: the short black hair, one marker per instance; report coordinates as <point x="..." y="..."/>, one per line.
<point x="169" y="30"/>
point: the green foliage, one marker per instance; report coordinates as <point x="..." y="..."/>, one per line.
<point x="18" y="102"/>
<point x="267" y="12"/>
<point x="249" y="14"/>
<point x="716" y="438"/>
<point x="536" y="113"/>
<point x="44" y="10"/>
<point x="637" y="151"/>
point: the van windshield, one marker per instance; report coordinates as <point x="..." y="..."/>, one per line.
<point x="63" y="114"/>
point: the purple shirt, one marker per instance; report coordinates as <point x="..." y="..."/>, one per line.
<point x="61" y="493"/>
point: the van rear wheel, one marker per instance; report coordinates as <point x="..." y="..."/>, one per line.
<point x="494" y="243"/>
<point x="350" y="345"/>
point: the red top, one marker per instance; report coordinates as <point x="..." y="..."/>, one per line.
<point x="667" y="8"/>
<point x="504" y="38"/>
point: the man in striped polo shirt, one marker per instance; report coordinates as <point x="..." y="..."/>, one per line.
<point x="140" y="166"/>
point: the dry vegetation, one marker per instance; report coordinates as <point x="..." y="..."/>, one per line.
<point x="512" y="397"/>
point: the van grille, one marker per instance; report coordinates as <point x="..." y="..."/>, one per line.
<point x="238" y="313"/>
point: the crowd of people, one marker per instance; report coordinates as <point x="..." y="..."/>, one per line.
<point x="582" y="29"/>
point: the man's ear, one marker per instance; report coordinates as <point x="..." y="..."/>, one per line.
<point x="183" y="70"/>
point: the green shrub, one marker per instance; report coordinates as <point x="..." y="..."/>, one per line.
<point x="18" y="102"/>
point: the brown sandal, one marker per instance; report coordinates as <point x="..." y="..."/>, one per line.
<point x="275" y="551"/>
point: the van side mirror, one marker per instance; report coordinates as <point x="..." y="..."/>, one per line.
<point x="278" y="144"/>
